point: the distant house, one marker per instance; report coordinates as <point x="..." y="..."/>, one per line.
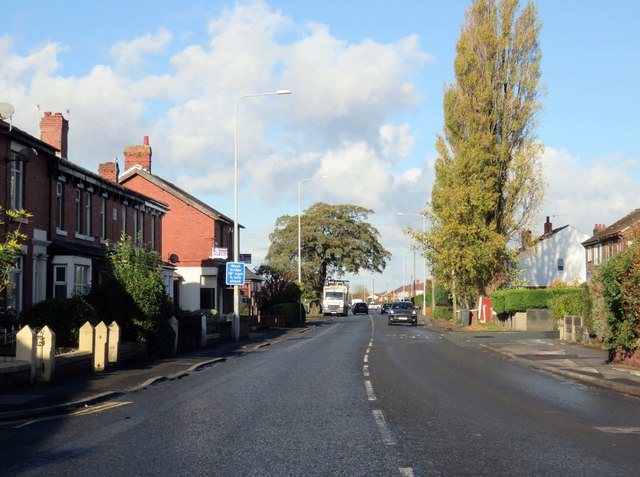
<point x="607" y="242"/>
<point x="555" y="256"/>
<point x="196" y="238"/>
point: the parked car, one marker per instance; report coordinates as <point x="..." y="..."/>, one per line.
<point x="374" y="306"/>
<point x="385" y="307"/>
<point x="360" y="307"/>
<point x="403" y="312"/>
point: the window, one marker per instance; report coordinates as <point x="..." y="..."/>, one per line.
<point x="60" y="205"/>
<point x="560" y="264"/>
<point x="103" y="217"/>
<point x="14" y="295"/>
<point x="87" y="213"/>
<point x="207" y="292"/>
<point x="78" y="211"/>
<point x="609" y="251"/>
<point x="141" y="228"/>
<point x="123" y="219"/>
<point x="16" y="181"/>
<point x="207" y="298"/>
<point x="135" y="226"/>
<point x="59" y="281"/>
<point x="596" y="254"/>
<point x="80" y="280"/>
<point x="153" y="232"/>
<point x="589" y="254"/>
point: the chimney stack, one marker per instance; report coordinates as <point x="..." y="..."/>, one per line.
<point x="54" y="130"/>
<point x="598" y="228"/>
<point x="138" y="156"/>
<point x="548" y="226"/>
<point x="109" y="171"/>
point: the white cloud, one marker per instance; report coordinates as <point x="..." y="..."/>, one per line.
<point x="128" y="54"/>
<point x="582" y="194"/>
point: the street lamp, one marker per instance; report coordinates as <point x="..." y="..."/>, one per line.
<point x="299" y="234"/>
<point x="236" y="241"/>
<point x="424" y="269"/>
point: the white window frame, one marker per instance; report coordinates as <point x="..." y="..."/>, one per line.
<point x="87" y="213"/>
<point x="78" y="211"/>
<point x="16" y="282"/>
<point x="17" y="181"/>
<point x="71" y="264"/>
<point x="60" y="281"/>
<point x="60" y="205"/>
<point x="103" y="217"/>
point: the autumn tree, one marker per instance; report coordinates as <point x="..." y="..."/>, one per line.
<point x="488" y="182"/>
<point x="11" y="245"/>
<point x="335" y="240"/>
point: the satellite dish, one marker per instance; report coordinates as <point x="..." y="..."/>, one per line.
<point x="173" y="258"/>
<point x="6" y="110"/>
<point x="27" y="154"/>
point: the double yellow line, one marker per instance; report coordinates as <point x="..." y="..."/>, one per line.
<point x="99" y="408"/>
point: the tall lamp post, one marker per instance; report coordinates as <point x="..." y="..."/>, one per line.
<point x="299" y="224"/>
<point x="236" y="238"/>
<point x="424" y="268"/>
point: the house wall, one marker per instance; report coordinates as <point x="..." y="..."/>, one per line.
<point x="540" y="264"/>
<point x="188" y="233"/>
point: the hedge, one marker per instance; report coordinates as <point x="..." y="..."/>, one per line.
<point x="294" y="313"/>
<point x="523" y="299"/>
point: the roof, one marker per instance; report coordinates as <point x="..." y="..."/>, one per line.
<point x="176" y="192"/>
<point x="67" y="166"/>
<point x="615" y="229"/>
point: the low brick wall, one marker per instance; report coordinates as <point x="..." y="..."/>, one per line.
<point x="72" y="364"/>
<point x="15" y="373"/>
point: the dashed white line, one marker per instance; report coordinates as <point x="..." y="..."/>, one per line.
<point x="406" y="471"/>
<point x="620" y="430"/>
<point x="365" y="370"/>
<point x="366" y="358"/>
<point x="370" y="394"/>
<point x="387" y="436"/>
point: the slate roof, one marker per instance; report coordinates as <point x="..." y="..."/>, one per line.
<point x="614" y="230"/>
<point x="177" y="192"/>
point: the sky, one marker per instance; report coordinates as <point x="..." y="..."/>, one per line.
<point x="367" y="80"/>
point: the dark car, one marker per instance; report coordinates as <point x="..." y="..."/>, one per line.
<point x="403" y="312"/>
<point x="360" y="307"/>
<point x="385" y="307"/>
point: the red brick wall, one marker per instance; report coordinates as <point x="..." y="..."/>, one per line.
<point x="187" y="232"/>
<point x="54" y="130"/>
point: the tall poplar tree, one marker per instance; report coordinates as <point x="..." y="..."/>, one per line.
<point x="488" y="184"/>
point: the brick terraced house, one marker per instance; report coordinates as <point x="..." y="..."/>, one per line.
<point x="75" y="212"/>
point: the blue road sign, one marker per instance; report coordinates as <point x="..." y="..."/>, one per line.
<point x="235" y="273"/>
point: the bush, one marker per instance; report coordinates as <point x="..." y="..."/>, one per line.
<point x="576" y="302"/>
<point x="64" y="317"/>
<point x="616" y="301"/>
<point x="442" y="312"/>
<point x="523" y="299"/>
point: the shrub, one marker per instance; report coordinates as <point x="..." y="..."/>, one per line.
<point x="523" y="299"/>
<point x="64" y="316"/>
<point x="576" y="302"/>
<point x="616" y="300"/>
<point x="442" y="312"/>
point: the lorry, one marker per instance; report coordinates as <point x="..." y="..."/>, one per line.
<point x="335" y="297"/>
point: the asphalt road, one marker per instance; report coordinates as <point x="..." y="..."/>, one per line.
<point x="352" y="397"/>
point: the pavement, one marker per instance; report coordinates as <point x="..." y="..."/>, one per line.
<point x="539" y="350"/>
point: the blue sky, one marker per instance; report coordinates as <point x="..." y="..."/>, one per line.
<point x="367" y="78"/>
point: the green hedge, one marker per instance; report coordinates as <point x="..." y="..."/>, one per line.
<point x="523" y="299"/>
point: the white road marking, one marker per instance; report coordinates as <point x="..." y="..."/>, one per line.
<point x="366" y="358"/>
<point x="387" y="436"/>
<point x="365" y="370"/>
<point x="406" y="471"/>
<point x="620" y="430"/>
<point x="370" y="394"/>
